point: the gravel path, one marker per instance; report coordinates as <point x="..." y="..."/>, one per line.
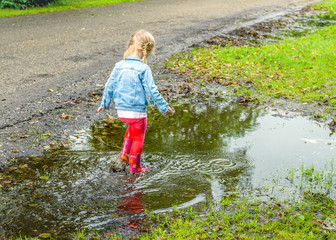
<point x="71" y="52"/>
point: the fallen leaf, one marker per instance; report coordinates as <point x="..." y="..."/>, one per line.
<point x="64" y="116"/>
<point x="50" y="90"/>
<point x="44" y="177"/>
<point x="45" y="235"/>
<point x="23" y="166"/>
<point x="59" y="101"/>
<point x="281" y="214"/>
<point x="217" y="228"/>
<point x="15" y="151"/>
<point x="47" y="147"/>
<point x="100" y="140"/>
<point x="110" y="117"/>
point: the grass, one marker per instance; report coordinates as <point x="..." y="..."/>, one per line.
<point x="60" y="5"/>
<point x="243" y="218"/>
<point x="326" y="4"/>
<point x="301" y="69"/>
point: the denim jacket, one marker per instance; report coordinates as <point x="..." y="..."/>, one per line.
<point x="130" y="83"/>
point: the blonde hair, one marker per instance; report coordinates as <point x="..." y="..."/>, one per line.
<point x="141" y="41"/>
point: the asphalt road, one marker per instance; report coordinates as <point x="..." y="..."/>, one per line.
<point x="71" y="52"/>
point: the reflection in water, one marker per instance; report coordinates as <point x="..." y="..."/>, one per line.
<point x="202" y="152"/>
<point x="131" y="203"/>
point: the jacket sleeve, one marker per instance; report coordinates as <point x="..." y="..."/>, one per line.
<point x="152" y="91"/>
<point x="108" y="93"/>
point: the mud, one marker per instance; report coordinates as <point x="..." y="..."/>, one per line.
<point x="45" y="107"/>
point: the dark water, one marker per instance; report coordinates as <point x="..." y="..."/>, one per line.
<point x="201" y="153"/>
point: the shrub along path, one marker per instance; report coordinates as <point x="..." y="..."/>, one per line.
<point x="51" y="63"/>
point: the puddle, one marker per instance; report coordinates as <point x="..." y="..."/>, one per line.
<point x="306" y="23"/>
<point x="201" y="153"/>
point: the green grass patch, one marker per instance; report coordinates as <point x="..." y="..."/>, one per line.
<point x="326" y="4"/>
<point x="60" y="5"/>
<point x="244" y="218"/>
<point x="301" y="69"/>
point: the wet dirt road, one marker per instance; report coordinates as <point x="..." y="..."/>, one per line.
<point x="49" y="61"/>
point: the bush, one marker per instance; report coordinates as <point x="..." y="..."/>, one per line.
<point x="23" y="4"/>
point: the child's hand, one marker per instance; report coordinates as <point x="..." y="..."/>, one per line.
<point x="169" y="111"/>
<point x="99" y="109"/>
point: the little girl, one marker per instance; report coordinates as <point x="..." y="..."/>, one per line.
<point x="130" y="83"/>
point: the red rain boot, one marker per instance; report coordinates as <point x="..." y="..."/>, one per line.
<point x="134" y="165"/>
<point x="126" y="148"/>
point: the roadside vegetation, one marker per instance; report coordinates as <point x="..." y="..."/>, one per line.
<point x="25" y="7"/>
<point x="301" y="69"/>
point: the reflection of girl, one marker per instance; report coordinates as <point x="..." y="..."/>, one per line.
<point x="130" y="83"/>
<point x="131" y="204"/>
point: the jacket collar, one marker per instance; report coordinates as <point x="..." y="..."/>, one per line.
<point x="133" y="58"/>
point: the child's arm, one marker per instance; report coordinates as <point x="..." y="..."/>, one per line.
<point x="108" y="94"/>
<point x="153" y="93"/>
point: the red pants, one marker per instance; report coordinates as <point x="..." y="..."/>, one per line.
<point x="136" y="132"/>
